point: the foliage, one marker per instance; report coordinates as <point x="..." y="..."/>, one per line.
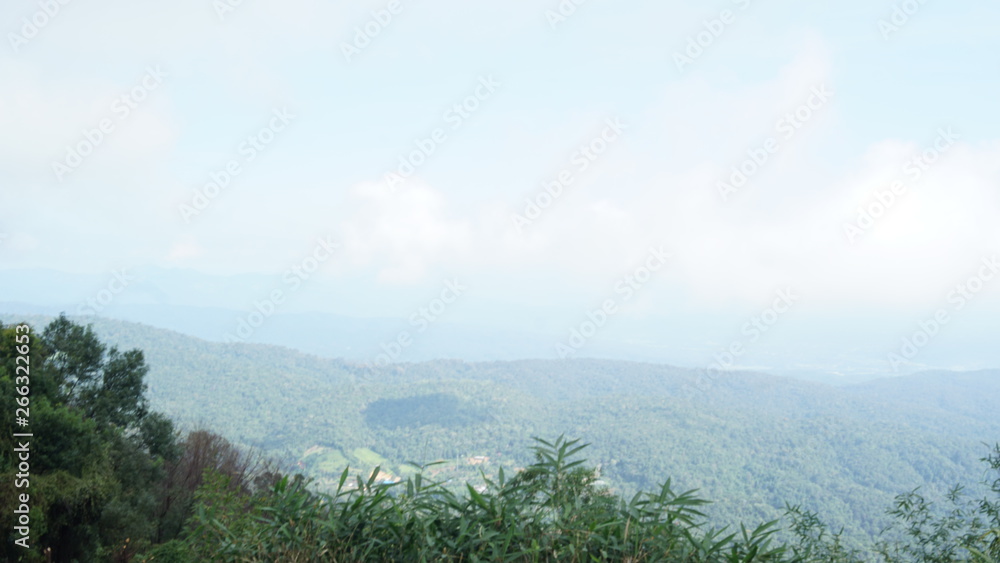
<point x="112" y="480"/>
<point x="749" y="440"/>
<point x="106" y="473"/>
<point x="96" y="453"/>
<point x="552" y="511"/>
<point x="968" y="529"/>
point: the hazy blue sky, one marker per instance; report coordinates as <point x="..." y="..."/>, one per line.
<point x="890" y="90"/>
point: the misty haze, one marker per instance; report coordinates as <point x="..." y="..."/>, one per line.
<point x="554" y="280"/>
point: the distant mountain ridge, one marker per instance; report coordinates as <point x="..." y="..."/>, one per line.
<point x="362" y="340"/>
<point x="330" y="335"/>
<point x="338" y="316"/>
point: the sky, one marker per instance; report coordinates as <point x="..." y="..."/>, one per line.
<point x="541" y="153"/>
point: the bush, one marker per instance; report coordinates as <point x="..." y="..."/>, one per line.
<point x="552" y="511"/>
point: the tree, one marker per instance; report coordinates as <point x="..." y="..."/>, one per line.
<point x="98" y="453"/>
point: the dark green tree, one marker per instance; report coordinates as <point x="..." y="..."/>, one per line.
<point x="98" y="455"/>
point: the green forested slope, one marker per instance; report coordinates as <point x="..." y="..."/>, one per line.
<point x="749" y="441"/>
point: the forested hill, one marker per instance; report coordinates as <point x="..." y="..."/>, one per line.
<point x="749" y="441"/>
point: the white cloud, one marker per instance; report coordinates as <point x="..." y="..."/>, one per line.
<point x="404" y="233"/>
<point x="656" y="187"/>
<point x="785" y="227"/>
